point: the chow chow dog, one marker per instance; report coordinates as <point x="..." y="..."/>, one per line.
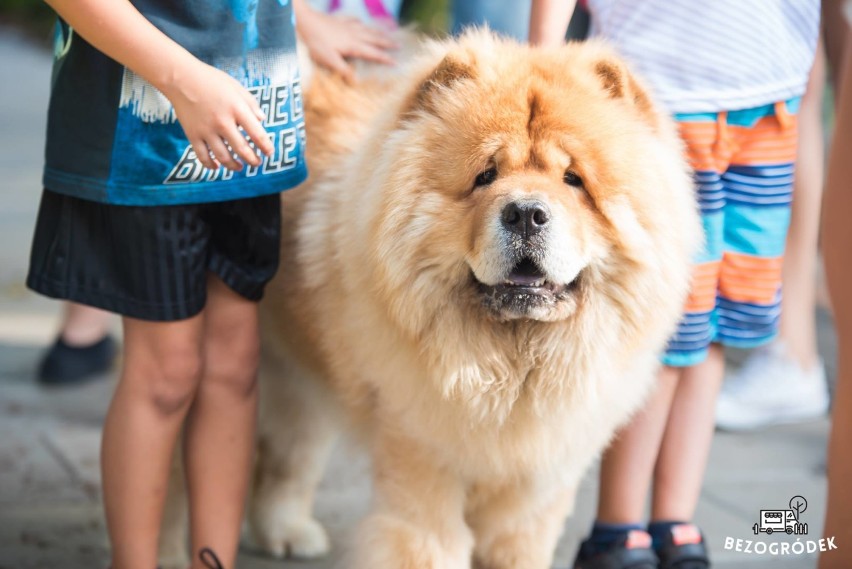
<point x="478" y="278"/>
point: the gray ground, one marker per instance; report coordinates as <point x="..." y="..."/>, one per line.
<point x="49" y="491"/>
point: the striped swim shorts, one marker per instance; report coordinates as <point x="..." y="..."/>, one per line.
<point x="743" y="163"/>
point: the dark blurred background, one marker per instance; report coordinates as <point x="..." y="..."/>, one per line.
<point x="32" y="16"/>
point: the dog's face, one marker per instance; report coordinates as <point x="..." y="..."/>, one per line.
<point x="517" y="180"/>
<point x="533" y="229"/>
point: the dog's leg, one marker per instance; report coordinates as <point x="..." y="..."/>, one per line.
<point x="297" y="432"/>
<point x="417" y="520"/>
<point x="516" y="526"/>
<point x="174" y="547"/>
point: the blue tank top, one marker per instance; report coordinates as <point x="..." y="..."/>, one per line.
<point x="112" y="137"/>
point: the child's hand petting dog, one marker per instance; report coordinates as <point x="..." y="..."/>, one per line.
<point x="331" y="40"/>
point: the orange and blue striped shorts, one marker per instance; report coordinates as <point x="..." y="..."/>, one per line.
<point x="743" y="163"/>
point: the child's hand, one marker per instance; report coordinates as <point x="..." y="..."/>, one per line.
<point x="332" y="39"/>
<point x="212" y="107"/>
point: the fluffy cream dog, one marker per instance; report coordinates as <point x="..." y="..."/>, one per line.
<point x="490" y="253"/>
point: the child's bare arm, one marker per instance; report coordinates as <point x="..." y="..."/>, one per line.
<point x="549" y="21"/>
<point x="210" y="105"/>
<point x="330" y="40"/>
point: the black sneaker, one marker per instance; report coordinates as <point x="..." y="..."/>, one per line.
<point x="632" y="551"/>
<point x="69" y="365"/>
<point x="684" y="548"/>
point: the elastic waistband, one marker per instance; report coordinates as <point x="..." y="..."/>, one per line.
<point x="745" y="117"/>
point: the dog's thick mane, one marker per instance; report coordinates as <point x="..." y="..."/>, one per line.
<point x="500" y="364"/>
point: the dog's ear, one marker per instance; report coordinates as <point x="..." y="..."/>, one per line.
<point x="619" y="83"/>
<point x="449" y="71"/>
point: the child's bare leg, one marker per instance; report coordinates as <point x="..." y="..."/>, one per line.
<point x="162" y="367"/>
<point x="219" y="439"/>
<point x="838" y="519"/>
<point x="628" y="464"/>
<point x="798" y="325"/>
<point x="837" y="234"/>
<point x="83" y="325"/>
<point x="685" y="447"/>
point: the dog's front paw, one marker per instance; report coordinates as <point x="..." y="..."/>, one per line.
<point x="284" y="536"/>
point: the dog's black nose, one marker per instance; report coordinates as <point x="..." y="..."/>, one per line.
<point x="525" y="217"/>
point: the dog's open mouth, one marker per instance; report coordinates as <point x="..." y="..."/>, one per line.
<point x="526" y="278"/>
<point x="526" y="292"/>
<point x="526" y="274"/>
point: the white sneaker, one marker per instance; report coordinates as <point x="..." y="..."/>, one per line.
<point x="771" y="389"/>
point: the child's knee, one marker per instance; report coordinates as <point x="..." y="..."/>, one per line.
<point x="234" y="367"/>
<point x="176" y="383"/>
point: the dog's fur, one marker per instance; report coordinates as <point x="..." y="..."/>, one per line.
<point x="396" y="306"/>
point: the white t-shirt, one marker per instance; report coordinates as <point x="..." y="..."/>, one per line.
<point x="714" y="55"/>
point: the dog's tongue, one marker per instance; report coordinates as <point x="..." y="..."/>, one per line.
<point x="525" y="273"/>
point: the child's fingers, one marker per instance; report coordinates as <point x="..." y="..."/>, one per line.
<point x="370" y="53"/>
<point x="203" y="153"/>
<point x="255" y="131"/>
<point x="335" y="62"/>
<point x="222" y="154"/>
<point x="241" y="148"/>
<point x="253" y="104"/>
<point x="379" y="38"/>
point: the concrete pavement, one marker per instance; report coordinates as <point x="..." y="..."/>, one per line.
<point x="49" y="482"/>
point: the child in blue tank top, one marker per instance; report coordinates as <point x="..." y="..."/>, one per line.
<point x="172" y="128"/>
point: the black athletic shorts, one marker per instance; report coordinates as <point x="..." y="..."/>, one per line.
<point x="152" y="262"/>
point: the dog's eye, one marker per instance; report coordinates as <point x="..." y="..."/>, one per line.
<point x="572" y="179"/>
<point x="485" y="178"/>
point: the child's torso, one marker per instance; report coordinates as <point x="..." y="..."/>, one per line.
<point x="712" y="55"/>
<point x="113" y="137"/>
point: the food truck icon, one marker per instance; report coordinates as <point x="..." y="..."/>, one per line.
<point x="786" y="521"/>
